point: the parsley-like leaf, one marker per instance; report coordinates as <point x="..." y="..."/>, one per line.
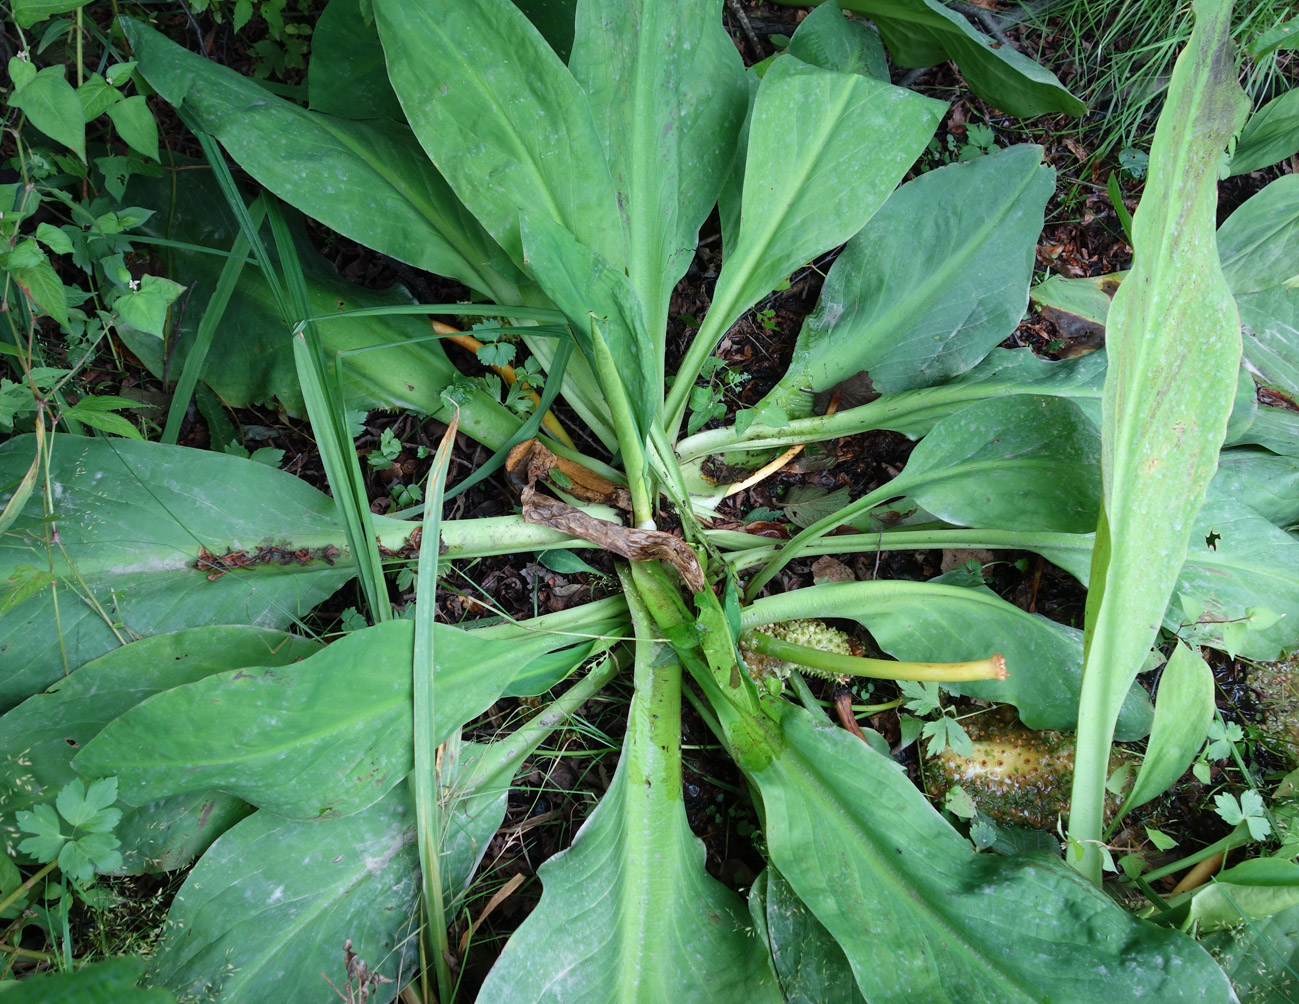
<point x="920" y="696"/>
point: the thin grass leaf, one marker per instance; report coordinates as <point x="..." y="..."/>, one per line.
<point x="542" y="315"/>
<point x="226" y="180"/>
<point x="213" y="314"/>
<point x="325" y="409"/>
<point x="425" y="781"/>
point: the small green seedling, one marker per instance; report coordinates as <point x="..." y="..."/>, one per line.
<point x="86" y="844"/>
<point x="1247" y="809"/>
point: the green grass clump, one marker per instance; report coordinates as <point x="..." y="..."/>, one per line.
<point x="1118" y="58"/>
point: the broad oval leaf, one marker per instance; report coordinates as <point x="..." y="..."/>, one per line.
<point x="48" y="730"/>
<point x="29" y="12"/>
<point x="810" y="963"/>
<point x="1009" y="463"/>
<point x="891" y="880"/>
<point x="1258" y="244"/>
<point x="368" y="180"/>
<point x="134" y="521"/>
<point x="325" y="737"/>
<point x="1239" y="586"/>
<point x="272" y="902"/>
<point x="502" y="118"/>
<point x="1260" y="956"/>
<point x="924" y="32"/>
<point x="1183" y="710"/>
<point x="347" y="75"/>
<point x="1251" y="890"/>
<point x="829" y="39"/>
<point x="935" y="280"/>
<point x="1270" y="322"/>
<point x="667" y="95"/>
<point x="825" y="150"/>
<point x="1259" y="480"/>
<point x="1014" y="463"/>
<point x="1277" y="429"/>
<point x="52" y="106"/>
<point x="659" y="928"/>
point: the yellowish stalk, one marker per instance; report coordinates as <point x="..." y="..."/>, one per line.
<point x="507" y="374"/>
<point x="837" y="664"/>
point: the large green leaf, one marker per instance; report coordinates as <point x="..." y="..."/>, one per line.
<point x="367" y="180"/>
<point x="1259" y="480"/>
<point x="325" y="737"/>
<point x="1017" y="463"/>
<point x="924" y="32"/>
<point x="52" y="106"/>
<point x="383" y="362"/>
<point x="554" y="19"/>
<point x="502" y="118"/>
<point x="811" y="965"/>
<point x="1270" y="135"/>
<point x="1008" y="463"/>
<point x="931" y="284"/>
<point x="29" y="12"/>
<point x="133" y="521"/>
<point x="825" y="150"/>
<point x="347" y="75"/>
<point x="1239" y="587"/>
<point x="628" y="912"/>
<point x="954" y="620"/>
<point x="1270" y="319"/>
<point x="1174" y="348"/>
<point x="921" y="916"/>
<point x="833" y="41"/>
<point x="1183" y="714"/>
<point x="1277" y="429"/>
<point x="108" y="981"/>
<point x="599" y="302"/>
<point x="1261" y="957"/>
<point x="1003" y="373"/>
<point x="47" y="730"/>
<point x="668" y="95"/>
<point x="1258" y="244"/>
<point x="1252" y="890"/>
<point x="271" y="903"/>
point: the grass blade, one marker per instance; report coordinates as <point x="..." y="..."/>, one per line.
<point x="212" y="315"/>
<point x="425" y="779"/>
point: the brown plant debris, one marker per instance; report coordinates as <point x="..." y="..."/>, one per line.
<point x="530" y="461"/>
<point x="265" y="554"/>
